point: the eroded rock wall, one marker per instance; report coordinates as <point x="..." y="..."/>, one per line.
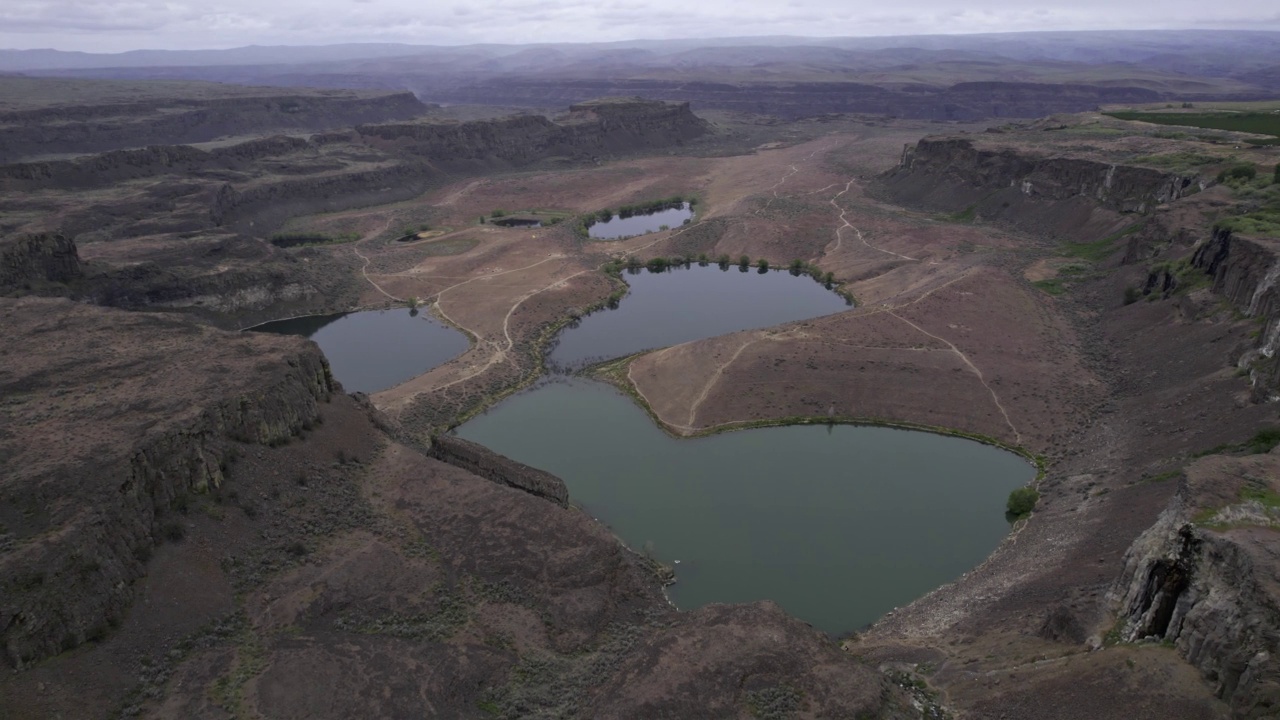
<point x="29" y="262"/>
<point x="1121" y="188"/>
<point x="101" y="128"/>
<point x="1199" y="591"/>
<point x="76" y="528"/>
<point x="479" y="460"/>
<point x="1245" y="272"/>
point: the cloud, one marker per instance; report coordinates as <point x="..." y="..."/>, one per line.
<point x="113" y="25"/>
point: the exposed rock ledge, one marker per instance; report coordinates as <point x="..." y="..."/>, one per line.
<point x="76" y="525"/>
<point x="1202" y="579"/>
<point x="489" y="465"/>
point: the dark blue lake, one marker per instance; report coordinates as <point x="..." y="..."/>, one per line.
<point x="373" y="350"/>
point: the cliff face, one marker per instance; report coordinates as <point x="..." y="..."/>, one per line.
<point x="120" y="165"/>
<point x="591" y="129"/>
<point x="80" y="521"/>
<point x="1207" y="592"/>
<point x="1245" y="271"/>
<point x="30" y="262"/>
<point x="99" y="128"/>
<point x="963" y="101"/>
<point x="934" y="162"/>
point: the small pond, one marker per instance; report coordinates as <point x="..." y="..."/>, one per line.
<point x="373" y="350"/>
<point x="668" y="308"/>
<point x="620" y="227"/>
<point x="837" y="524"/>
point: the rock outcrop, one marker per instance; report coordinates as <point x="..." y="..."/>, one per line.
<point x="962" y="101"/>
<point x="33" y="262"/>
<point x="79" y="523"/>
<point x="1245" y="271"/>
<point x="1204" y="587"/>
<point x="934" y="163"/>
<point x="591" y="129"/>
<point x="480" y="460"/>
<point x="101" y="128"/>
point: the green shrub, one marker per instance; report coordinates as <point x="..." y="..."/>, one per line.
<point x="1132" y="294"/>
<point x="498" y="213"/>
<point x="744" y="262"/>
<point x="1022" y="501"/>
<point x="1238" y="172"/>
<point x="763" y="265"/>
<point x="1276" y="179"/>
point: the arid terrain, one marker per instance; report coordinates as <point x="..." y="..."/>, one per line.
<point x="196" y="522"/>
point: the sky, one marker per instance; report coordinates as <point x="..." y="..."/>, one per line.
<point x="119" y="25"/>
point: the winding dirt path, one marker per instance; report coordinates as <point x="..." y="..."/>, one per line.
<point x="844" y="223"/>
<point x="364" y="269"/>
<point x="965" y="358"/>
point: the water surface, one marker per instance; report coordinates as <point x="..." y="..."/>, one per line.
<point x="373" y="350"/>
<point x="620" y="227"/>
<point x="837" y="524"/>
<point x="668" y="308"/>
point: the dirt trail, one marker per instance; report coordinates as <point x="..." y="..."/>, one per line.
<point x="844" y="223"/>
<point x="355" y="247"/>
<point x="965" y="358"/>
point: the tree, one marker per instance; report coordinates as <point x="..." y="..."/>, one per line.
<point x="744" y="262"/>
<point x="763" y="265"/>
<point x="1022" y="501"/>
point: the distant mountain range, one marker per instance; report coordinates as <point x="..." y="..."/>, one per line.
<point x="1135" y="65"/>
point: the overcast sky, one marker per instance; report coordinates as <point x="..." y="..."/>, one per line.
<point x="118" y="25"/>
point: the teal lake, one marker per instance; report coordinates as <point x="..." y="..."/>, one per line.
<point x="837" y="524"/>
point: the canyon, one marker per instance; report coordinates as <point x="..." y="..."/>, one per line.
<point x="201" y="522"/>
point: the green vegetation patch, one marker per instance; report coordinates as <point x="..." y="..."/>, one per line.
<point x="297" y="239"/>
<point x="1098" y="250"/>
<point x="1261" y="123"/>
<point x="1052" y="286"/>
<point x="1177" y="162"/>
<point x="1264" y="441"/>
<point x="1022" y="501"/>
<point x="1263" y="221"/>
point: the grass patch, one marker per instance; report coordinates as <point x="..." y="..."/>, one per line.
<point x="1098" y="250"/>
<point x="1264" y="221"/>
<point x="1052" y="286"/>
<point x="1186" y="276"/>
<point x="964" y="216"/>
<point x="1259" y="123"/>
<point x="1177" y="162"/>
<point x="1263" y="441"/>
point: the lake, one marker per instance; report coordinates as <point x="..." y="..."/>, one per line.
<point x="373" y="350"/>
<point x="619" y="227"/>
<point x="837" y="524"/>
<point x="676" y="306"/>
